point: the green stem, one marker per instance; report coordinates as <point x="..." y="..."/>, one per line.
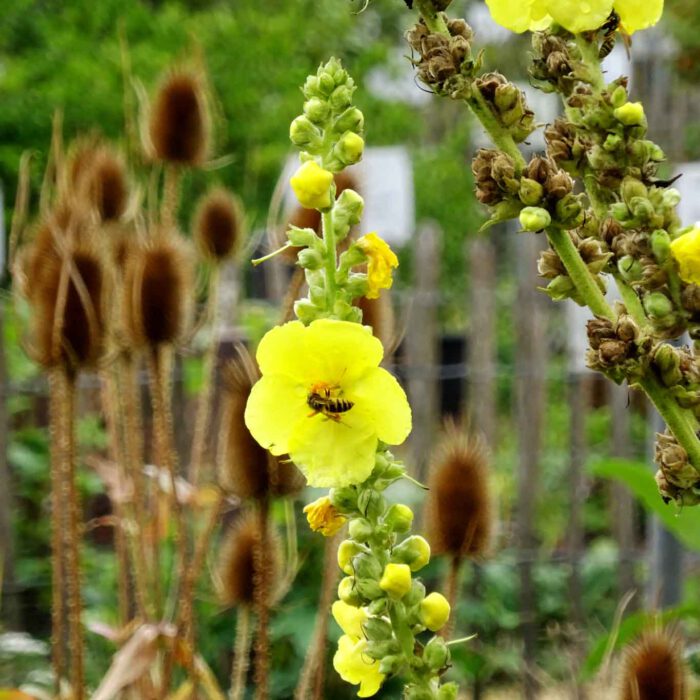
<point x="589" y="53"/>
<point x="432" y="18"/>
<point x="578" y="272"/>
<point x="331" y="259"/>
<point x="632" y="302"/>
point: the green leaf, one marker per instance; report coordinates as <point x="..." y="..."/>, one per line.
<point x="638" y="478"/>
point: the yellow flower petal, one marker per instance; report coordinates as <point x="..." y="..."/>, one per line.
<point x="334" y="453"/>
<point x="520" y="15"/>
<point x="283" y="351"/>
<point x="355" y="667"/>
<point x="276" y="404"/>
<point x="580" y="15"/>
<point x="386" y="402"/>
<point x="636" y="15"/>
<point x="349" y="618"/>
<point x="312" y="186"/>
<point x="686" y="251"/>
<point x="323" y="517"/>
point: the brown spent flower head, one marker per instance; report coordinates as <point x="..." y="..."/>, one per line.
<point x="245" y="469"/>
<point x="459" y="512"/>
<point x="180" y="123"/>
<point x="106" y="185"/>
<point x="236" y="571"/>
<point x="653" y="669"/>
<point x="67" y="299"/>
<point x="158" y="290"/>
<point x="218" y="224"/>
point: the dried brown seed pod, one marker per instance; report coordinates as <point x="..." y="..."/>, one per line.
<point x="246" y="469"/>
<point x="158" y="291"/>
<point x="459" y="513"/>
<point x="218" y="224"/>
<point x="236" y="569"/>
<point x="106" y="184"/>
<point x="179" y="123"/>
<point x="653" y="669"/>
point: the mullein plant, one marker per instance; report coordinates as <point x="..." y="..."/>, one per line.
<point x="324" y="401"/>
<point x="619" y="222"/>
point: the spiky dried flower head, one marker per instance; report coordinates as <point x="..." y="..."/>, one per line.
<point x="67" y="297"/>
<point x="459" y="511"/>
<point x="179" y="121"/>
<point x="158" y="289"/>
<point x="653" y="668"/>
<point x="246" y="469"/>
<point x="218" y="224"/>
<point x="236" y="571"/>
<point x="106" y="184"/>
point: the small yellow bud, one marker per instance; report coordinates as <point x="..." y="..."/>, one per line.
<point x="347" y="591"/>
<point x="631" y="114"/>
<point x="396" y="580"/>
<point x="323" y="517"/>
<point x="350" y="148"/>
<point x="686" y="251"/>
<point x="312" y="186"/>
<point x="399" y="518"/>
<point x="534" y="219"/>
<point x="346" y="551"/>
<point x="435" y="611"/>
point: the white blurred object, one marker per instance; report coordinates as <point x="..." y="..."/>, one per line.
<point x="688" y="186"/>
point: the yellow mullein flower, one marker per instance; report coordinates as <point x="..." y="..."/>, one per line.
<point x="686" y="251"/>
<point x="520" y="15"/>
<point x="381" y="262"/>
<point x="435" y="611"/>
<point x="396" y="580"/>
<point x="312" y="186"/>
<point x="580" y="15"/>
<point x="323" y="517"/>
<point x="636" y="15"/>
<point x="324" y="400"/>
<point x="350" y="661"/>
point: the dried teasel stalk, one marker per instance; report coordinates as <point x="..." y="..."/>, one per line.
<point x="653" y="668"/>
<point x="459" y="513"/>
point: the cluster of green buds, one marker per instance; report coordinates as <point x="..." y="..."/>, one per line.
<point x="379" y="570"/>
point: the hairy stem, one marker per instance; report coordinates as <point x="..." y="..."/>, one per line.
<point x="241" y="654"/>
<point x="331" y="256"/>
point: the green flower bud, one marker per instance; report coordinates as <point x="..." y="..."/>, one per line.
<point x="399" y="518"/>
<point x="302" y="237"/>
<point x="415" y="693"/>
<point x="642" y="209"/>
<point x="569" y="211"/>
<point x="356" y="285"/>
<point x="630" y="268"/>
<point x="344" y="311"/>
<point x="312" y="87"/>
<point x="317" y="294"/>
<point x="658" y="305"/>
<point x="378" y="630"/>
<point x="341" y="98"/>
<point x="347" y="551"/>
<point x="436" y="654"/>
<point x="671" y="197"/>
<point x="310" y="259"/>
<point x="303" y="133"/>
<point x="351" y="119"/>
<point x="612" y="143"/>
<point x="349" y="148"/>
<point x="368" y="588"/>
<point x="326" y="84"/>
<point x="306" y="311"/>
<point x="367" y="566"/>
<point x="348" y="593"/>
<point x="661" y="245"/>
<point x="360" y="529"/>
<point x="349" y="206"/>
<point x="316" y="110"/>
<point x="390" y="665"/>
<point x="448" y="691"/>
<point x="506" y="97"/>
<point x="534" y="219"/>
<point x="416" y="594"/>
<point x="381" y="649"/>
<point x="371" y="504"/>
<point x="344" y="499"/>
<point x="631" y="114"/>
<point x="414" y="551"/>
<point x="631" y="188"/>
<point x="530" y="191"/>
<point x="560" y="288"/>
<point x="377" y="606"/>
<point x="618" y="96"/>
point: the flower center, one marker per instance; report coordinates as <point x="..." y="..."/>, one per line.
<point x="328" y="400"/>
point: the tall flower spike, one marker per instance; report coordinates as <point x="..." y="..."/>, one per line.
<point x="459" y="510"/>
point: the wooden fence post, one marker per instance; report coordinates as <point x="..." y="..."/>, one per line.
<point x="422" y="344"/>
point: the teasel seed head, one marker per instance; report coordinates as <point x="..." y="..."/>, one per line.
<point x="68" y="302"/>
<point x="459" y="512"/>
<point x="653" y="669"/>
<point x="236" y="571"/>
<point x="245" y="468"/>
<point x="179" y="121"/>
<point x="158" y="290"/>
<point x="106" y="184"/>
<point x="218" y="224"/>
